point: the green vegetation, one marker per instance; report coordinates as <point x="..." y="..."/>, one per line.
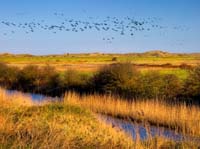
<point x="115" y="78"/>
<point x="44" y="80"/>
<point x="93" y="61"/>
<point x="90" y="63"/>
<point x="192" y="84"/>
<point x="122" y="79"/>
<point x="180" y="73"/>
<point x="151" y="57"/>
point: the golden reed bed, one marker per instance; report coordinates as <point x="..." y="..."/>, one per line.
<point x="180" y="117"/>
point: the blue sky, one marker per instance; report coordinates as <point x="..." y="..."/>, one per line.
<point x="180" y="20"/>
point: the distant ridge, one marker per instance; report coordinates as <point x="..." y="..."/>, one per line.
<point x="151" y="53"/>
<point x="157" y="53"/>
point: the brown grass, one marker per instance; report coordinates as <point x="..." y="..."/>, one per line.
<point x="16" y="99"/>
<point x="185" y="119"/>
<point x="24" y="124"/>
<point x="93" y="67"/>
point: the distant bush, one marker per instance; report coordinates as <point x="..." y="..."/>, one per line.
<point x="185" y="66"/>
<point x="114" y="59"/>
<point x="57" y="60"/>
<point x="167" y="65"/>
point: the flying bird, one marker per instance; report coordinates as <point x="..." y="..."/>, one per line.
<point x="121" y="26"/>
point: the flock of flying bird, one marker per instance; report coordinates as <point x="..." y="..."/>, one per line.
<point x="121" y="26"/>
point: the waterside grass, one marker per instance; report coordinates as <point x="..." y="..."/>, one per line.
<point x="180" y="117"/>
<point x="24" y="124"/>
<point x="68" y="124"/>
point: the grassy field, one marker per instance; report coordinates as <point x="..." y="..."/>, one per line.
<point x="181" y="73"/>
<point x="151" y="57"/>
<point x="93" y="61"/>
<point x="24" y="124"/>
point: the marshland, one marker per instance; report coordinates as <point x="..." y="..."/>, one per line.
<point x="42" y="99"/>
<point x="103" y="74"/>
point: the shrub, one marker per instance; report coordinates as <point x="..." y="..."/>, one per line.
<point x="8" y="75"/>
<point x="49" y="80"/>
<point x="114" y="78"/>
<point x="73" y="80"/>
<point x="154" y="85"/>
<point x="121" y="79"/>
<point x="150" y="85"/>
<point x="3" y="70"/>
<point x="192" y="84"/>
<point x="35" y="79"/>
<point x="171" y="87"/>
<point x="114" y="59"/>
<point x="28" y="78"/>
<point x="185" y="66"/>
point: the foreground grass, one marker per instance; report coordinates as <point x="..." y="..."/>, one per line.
<point x="53" y="125"/>
<point x="50" y="125"/>
<point x="182" y="118"/>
